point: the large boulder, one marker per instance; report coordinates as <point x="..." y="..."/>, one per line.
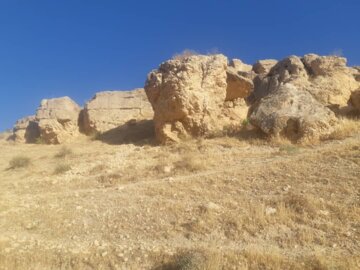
<point x="326" y="78"/>
<point x="26" y="130"/>
<point x="58" y="120"/>
<point x="110" y="109"/>
<point x="294" y="114"/>
<point x="188" y="96"/>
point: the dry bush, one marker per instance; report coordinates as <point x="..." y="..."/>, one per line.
<point x="194" y="260"/>
<point x="346" y="128"/>
<point x="185" y="54"/>
<point x="63" y="152"/>
<point x="191" y="162"/>
<point x="62" y="168"/>
<point x="19" y="162"/>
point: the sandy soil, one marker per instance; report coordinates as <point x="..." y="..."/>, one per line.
<point x="217" y="203"/>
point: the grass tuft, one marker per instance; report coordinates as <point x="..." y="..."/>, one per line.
<point x="62" y="168"/>
<point x="64" y="152"/>
<point x="19" y="162"/>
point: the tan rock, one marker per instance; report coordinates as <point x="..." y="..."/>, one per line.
<point x="237" y="86"/>
<point x="240" y="66"/>
<point x="110" y="109"/>
<point x="26" y="130"/>
<point x="188" y="96"/>
<point x="355" y="99"/>
<point x="356" y="73"/>
<point x="293" y="113"/>
<point x="58" y="120"/>
<point x="326" y="78"/>
<point x="264" y="66"/>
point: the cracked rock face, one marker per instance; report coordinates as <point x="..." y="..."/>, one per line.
<point x="326" y="78"/>
<point x="196" y="95"/>
<point x="294" y="114"/>
<point x="26" y="130"/>
<point x="110" y="109"/>
<point x="57" y="120"/>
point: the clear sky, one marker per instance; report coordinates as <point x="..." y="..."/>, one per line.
<point x="53" y="48"/>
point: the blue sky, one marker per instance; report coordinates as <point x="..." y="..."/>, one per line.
<point x="79" y="47"/>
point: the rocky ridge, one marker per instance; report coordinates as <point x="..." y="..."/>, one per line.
<point x="200" y="95"/>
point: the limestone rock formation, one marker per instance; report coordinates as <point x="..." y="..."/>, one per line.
<point x="264" y="66"/>
<point x="237" y="86"/>
<point x="110" y="109"/>
<point x="26" y="130"/>
<point x="356" y="73"/>
<point x="58" y="120"/>
<point x="326" y="78"/>
<point x="355" y="99"/>
<point x="293" y="113"/>
<point x="188" y="96"/>
<point x="240" y="66"/>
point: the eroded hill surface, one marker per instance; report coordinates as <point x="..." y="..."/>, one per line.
<point x="221" y="203"/>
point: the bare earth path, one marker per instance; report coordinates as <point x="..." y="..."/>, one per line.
<point x="251" y="206"/>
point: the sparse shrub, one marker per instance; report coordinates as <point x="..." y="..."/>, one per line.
<point x="40" y="140"/>
<point x="62" y="168"/>
<point x="190" y="162"/>
<point x="346" y="128"/>
<point x="64" y="152"/>
<point x="245" y="122"/>
<point x="185" y="54"/>
<point x="194" y="260"/>
<point x="94" y="136"/>
<point x="19" y="162"/>
<point x="289" y="149"/>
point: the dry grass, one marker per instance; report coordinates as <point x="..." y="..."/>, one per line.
<point x="346" y="128"/>
<point x="19" y="162"/>
<point x="116" y="209"/>
<point x="64" y="152"/>
<point x="185" y="54"/>
<point x="199" y="259"/>
<point x="62" y="168"/>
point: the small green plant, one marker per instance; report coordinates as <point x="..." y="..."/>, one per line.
<point x="62" y="168"/>
<point x="245" y="122"/>
<point x="19" y="162"/>
<point x="289" y="149"/>
<point x="64" y="152"/>
<point x="40" y="140"/>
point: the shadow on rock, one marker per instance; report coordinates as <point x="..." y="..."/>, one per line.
<point x="132" y="132"/>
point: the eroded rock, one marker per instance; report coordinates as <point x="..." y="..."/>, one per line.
<point x="293" y="113"/>
<point x="355" y="99"/>
<point x="188" y="95"/>
<point x="110" y="109"/>
<point x="263" y="66"/>
<point x="326" y="78"/>
<point x="26" y="130"/>
<point x="58" y="120"/>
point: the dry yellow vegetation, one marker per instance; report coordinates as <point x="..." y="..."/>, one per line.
<point x="219" y="203"/>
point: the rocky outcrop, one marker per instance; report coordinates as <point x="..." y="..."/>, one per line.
<point x="26" y="130"/>
<point x="264" y="66"/>
<point x="355" y="100"/>
<point x="111" y="109"/>
<point x="58" y="120"/>
<point x="356" y="72"/>
<point x="326" y="78"/>
<point x="294" y="114"/>
<point x="189" y="95"/>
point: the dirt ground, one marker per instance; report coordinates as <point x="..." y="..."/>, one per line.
<point x="221" y="203"/>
